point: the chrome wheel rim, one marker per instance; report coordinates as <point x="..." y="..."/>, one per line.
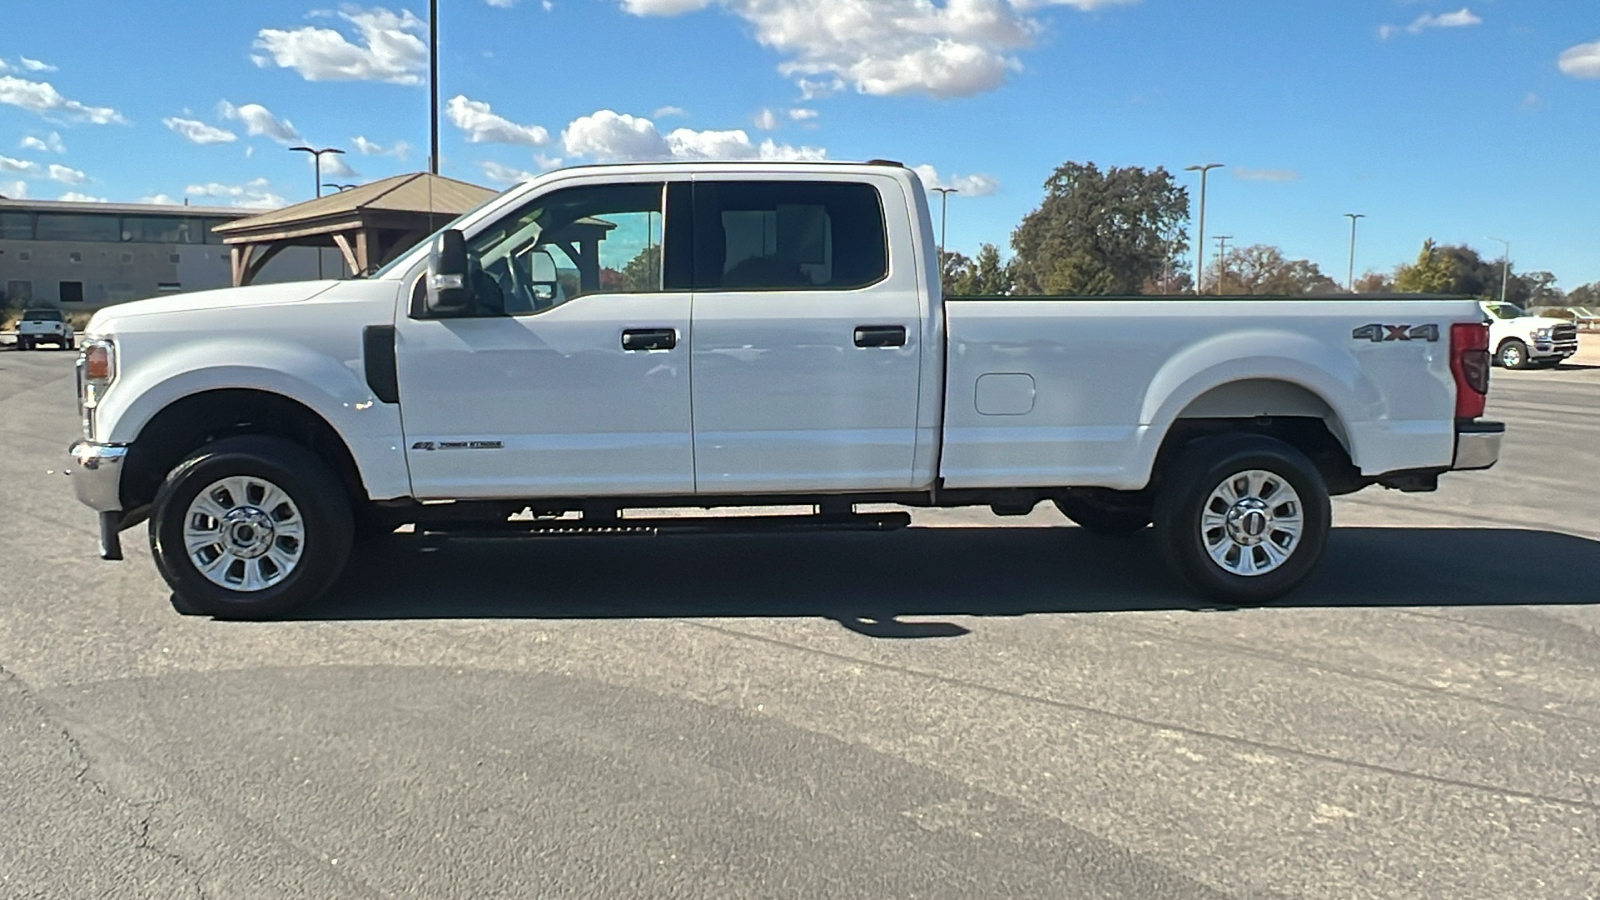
<point x="1510" y="356"/>
<point x="244" y="533"/>
<point x="1252" y="523"/>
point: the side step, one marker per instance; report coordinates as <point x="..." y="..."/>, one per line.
<point x="886" y="521"/>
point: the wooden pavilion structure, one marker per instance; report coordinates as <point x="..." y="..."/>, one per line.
<point x="370" y="224"/>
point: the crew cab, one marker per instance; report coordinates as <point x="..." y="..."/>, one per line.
<point x="44" y="326"/>
<point x="1521" y="340"/>
<point x="605" y="341"/>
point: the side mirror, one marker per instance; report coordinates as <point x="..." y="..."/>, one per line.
<point x="449" y="284"/>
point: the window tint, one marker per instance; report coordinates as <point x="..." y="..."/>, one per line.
<point x="71" y="292"/>
<point x="568" y="243"/>
<point x="779" y="235"/>
<point x="16" y="226"/>
<point x="161" y="230"/>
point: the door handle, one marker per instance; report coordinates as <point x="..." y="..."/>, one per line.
<point x="649" y="339"/>
<point x="880" y="336"/>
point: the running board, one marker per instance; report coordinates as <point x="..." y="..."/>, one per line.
<point x="887" y="521"/>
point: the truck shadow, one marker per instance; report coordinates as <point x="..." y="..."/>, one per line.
<point x="868" y="582"/>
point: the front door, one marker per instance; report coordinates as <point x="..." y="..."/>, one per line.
<point x="807" y="341"/>
<point x="570" y="376"/>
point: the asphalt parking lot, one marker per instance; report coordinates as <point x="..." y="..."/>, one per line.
<point x="973" y="707"/>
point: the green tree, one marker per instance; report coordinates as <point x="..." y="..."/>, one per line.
<point x="643" y="272"/>
<point x="986" y="275"/>
<point x="1587" y="296"/>
<point x="1096" y="232"/>
<point x="952" y="268"/>
<point x="1374" y="282"/>
<point x="1434" y="272"/>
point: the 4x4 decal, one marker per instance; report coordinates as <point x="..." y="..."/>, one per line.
<point x="1380" y="333"/>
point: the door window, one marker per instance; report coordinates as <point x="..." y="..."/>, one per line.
<point x="569" y="243"/>
<point x="787" y="236"/>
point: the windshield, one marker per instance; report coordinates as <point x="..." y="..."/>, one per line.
<point x="42" y="315"/>
<point x="1507" y="310"/>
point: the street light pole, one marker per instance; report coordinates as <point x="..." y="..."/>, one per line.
<point x="316" y="154"/>
<point x="1350" y="281"/>
<point x="1505" y="267"/>
<point x="944" y="208"/>
<point x="1200" y="242"/>
<point x="433" y="87"/>
<point x="1222" y="260"/>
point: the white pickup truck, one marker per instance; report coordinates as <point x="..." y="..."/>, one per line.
<point x="1520" y="340"/>
<point x="44" y="326"/>
<point x="605" y="341"/>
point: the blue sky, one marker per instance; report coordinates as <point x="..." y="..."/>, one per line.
<point x="1435" y="119"/>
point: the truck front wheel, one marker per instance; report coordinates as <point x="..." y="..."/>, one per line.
<point x="1243" y="518"/>
<point x="249" y="527"/>
<point x="1513" y="354"/>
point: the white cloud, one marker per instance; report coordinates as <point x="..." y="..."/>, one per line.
<point x="33" y="65"/>
<point x="506" y="175"/>
<point x="1461" y="18"/>
<point x="503" y="4"/>
<point x="81" y="198"/>
<point x="667" y="111"/>
<point x="197" y="132"/>
<point x="611" y="136"/>
<point x="766" y="120"/>
<point x="398" y="149"/>
<point x="333" y="166"/>
<point x="253" y="194"/>
<point x="482" y="126"/>
<point x="51" y="144"/>
<point x="161" y="200"/>
<point x="258" y="120"/>
<point x="974" y="185"/>
<point x="40" y="97"/>
<point x="66" y="175"/>
<point x="1265" y="174"/>
<point x="1582" y="61"/>
<point x="15" y="190"/>
<point x="954" y="49"/>
<point x="387" y="48"/>
<point x="11" y="166"/>
<point x="802" y="115"/>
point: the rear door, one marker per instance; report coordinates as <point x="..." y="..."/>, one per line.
<point x="806" y="336"/>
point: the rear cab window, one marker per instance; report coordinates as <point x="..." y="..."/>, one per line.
<point x="788" y="236"/>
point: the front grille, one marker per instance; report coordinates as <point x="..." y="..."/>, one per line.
<point x="1564" y="333"/>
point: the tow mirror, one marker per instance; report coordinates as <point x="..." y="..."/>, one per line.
<point x="449" y="284"/>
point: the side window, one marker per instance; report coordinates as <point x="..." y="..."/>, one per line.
<point x="782" y="235"/>
<point x="568" y="243"/>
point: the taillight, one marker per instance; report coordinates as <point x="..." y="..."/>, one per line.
<point x="1469" y="362"/>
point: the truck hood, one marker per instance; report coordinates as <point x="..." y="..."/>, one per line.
<point x="1530" y="324"/>
<point x="255" y="295"/>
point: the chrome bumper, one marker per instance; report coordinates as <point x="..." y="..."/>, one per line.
<point x="97" y="474"/>
<point x="1478" y="444"/>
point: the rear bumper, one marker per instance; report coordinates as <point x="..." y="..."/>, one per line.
<point x="1477" y="444"/>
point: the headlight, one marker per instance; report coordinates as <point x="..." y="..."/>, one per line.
<point x="1542" y="334"/>
<point x="97" y="368"/>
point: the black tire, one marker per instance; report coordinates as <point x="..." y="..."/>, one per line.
<point x="1186" y="490"/>
<point x="324" y="512"/>
<point x="24" y="343"/>
<point x="71" y="344"/>
<point x="1104" y="515"/>
<point x="1513" y="354"/>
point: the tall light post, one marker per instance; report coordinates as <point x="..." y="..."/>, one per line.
<point x="1200" y="242"/>
<point x="1222" y="260"/>
<point x="1505" y="267"/>
<point x="944" y="208"/>
<point x="316" y="154"/>
<point x="1350" y="280"/>
<point x="433" y="87"/>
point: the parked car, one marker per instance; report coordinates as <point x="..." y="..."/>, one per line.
<point x="44" y="326"/>
<point x="616" y="339"/>
<point x="1521" y="340"/>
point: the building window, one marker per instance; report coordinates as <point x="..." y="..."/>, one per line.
<point x="71" y="292"/>
<point x="78" y="227"/>
<point x="16" y="226"/>
<point x="173" y="258"/>
<point x="75" y="256"/>
<point x="168" y="287"/>
<point x="161" y="230"/>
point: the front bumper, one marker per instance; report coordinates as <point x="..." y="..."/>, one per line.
<point x="96" y="472"/>
<point x="1478" y="444"/>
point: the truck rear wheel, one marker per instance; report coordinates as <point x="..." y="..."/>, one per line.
<point x="248" y="528"/>
<point x="1243" y="518"/>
